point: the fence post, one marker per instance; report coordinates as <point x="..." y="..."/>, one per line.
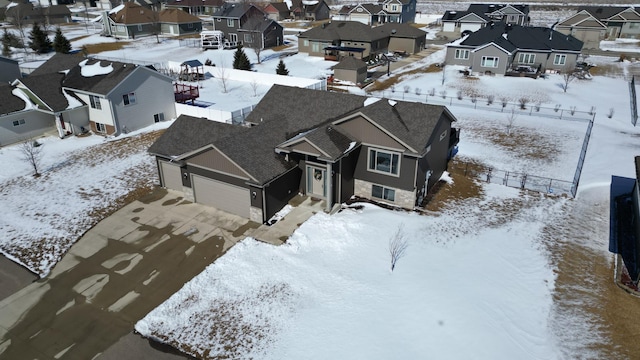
<point x="561" y="111"/>
<point x="450" y="101"/>
<point x="549" y="188"/>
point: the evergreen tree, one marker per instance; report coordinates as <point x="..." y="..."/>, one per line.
<point x="6" y="43"/>
<point x="282" y="68"/>
<point x="38" y="40"/>
<point x="60" y="43"/>
<point x="240" y="60"/>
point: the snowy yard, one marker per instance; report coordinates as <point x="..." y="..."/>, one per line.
<point x="483" y="276"/>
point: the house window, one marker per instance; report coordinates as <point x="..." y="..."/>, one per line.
<point x="633" y="25"/>
<point x="248" y="38"/>
<point x="230" y="22"/>
<point x="121" y="28"/>
<point x="95" y="102"/>
<point x="18" y="122"/>
<point x="190" y="25"/>
<point x="305" y="42"/>
<point x="158" y="117"/>
<point x="129" y="98"/>
<point x="139" y="27"/>
<point x="526" y="58"/>
<point x="559" y="59"/>
<point x="315" y="47"/>
<point x="233" y="38"/>
<point x="443" y="135"/>
<point x="489" y="61"/>
<point x="462" y="54"/>
<point x="384" y="193"/>
<point x="384" y="161"/>
<point x="394" y="8"/>
<point x="101" y="128"/>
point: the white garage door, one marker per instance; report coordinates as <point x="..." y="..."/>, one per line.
<point x="225" y="197"/>
<point x="171" y="176"/>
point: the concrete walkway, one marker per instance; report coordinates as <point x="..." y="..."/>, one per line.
<point x="113" y="276"/>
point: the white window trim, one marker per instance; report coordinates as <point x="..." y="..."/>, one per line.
<point x="94" y="102"/>
<point x="160" y="117"/>
<point x="230" y="23"/>
<point x="484" y="61"/>
<point x="131" y="98"/>
<point x="99" y="126"/>
<point x="560" y="59"/>
<point x="530" y="57"/>
<point x="383" y="192"/>
<point x="390" y="165"/>
<point x="463" y="52"/>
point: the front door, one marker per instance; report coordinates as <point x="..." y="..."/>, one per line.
<point x="316" y="181"/>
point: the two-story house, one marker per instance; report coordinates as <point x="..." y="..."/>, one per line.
<point x="326" y="145"/>
<point x="388" y="11"/>
<point x="232" y="16"/>
<point x="478" y="16"/>
<point x="310" y="10"/>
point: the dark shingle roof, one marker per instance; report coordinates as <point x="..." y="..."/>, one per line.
<point x="402" y="30"/>
<point x="10" y="103"/>
<point x="234" y="10"/>
<point x="48" y="87"/>
<point x="482" y="10"/>
<point x="280" y="6"/>
<point x="331" y="140"/>
<point x="603" y="12"/>
<point x="194" y="3"/>
<point x="513" y="37"/>
<point x="283" y="113"/>
<point x="410" y="122"/>
<point x="344" y="30"/>
<point x="99" y="84"/>
<point x="57" y="63"/>
<point x="350" y="63"/>
<point x="188" y="133"/>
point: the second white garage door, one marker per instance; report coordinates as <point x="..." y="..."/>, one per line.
<point x="171" y="178"/>
<point x="229" y="198"/>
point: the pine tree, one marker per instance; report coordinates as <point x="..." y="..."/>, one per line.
<point x="240" y="60"/>
<point x="6" y="42"/>
<point x="282" y="68"/>
<point x="60" y="43"/>
<point x="38" y="40"/>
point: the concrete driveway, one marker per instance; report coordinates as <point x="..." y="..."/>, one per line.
<point x="113" y="276"/>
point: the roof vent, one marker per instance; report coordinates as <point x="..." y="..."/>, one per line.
<point x="452" y="12"/>
<point x="393" y="31"/>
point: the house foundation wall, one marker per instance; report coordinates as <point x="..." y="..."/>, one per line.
<point x="403" y="198"/>
<point x="255" y="214"/>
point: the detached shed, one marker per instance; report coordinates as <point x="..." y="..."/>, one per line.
<point x="351" y="69"/>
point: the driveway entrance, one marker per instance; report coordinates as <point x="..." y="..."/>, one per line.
<point x="113" y="276"/>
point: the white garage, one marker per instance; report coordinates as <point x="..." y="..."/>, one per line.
<point x="229" y="198"/>
<point x="171" y="178"/>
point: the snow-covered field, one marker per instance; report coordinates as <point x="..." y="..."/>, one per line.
<point x="479" y="276"/>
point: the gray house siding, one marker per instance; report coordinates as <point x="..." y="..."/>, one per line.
<point x="450" y="57"/>
<point x="590" y="37"/>
<point x="78" y="118"/>
<point x="436" y="159"/>
<point x="31" y="123"/>
<point x="211" y="174"/>
<point x="408" y="45"/>
<point x="153" y="94"/>
<point x="489" y="52"/>
<point x="9" y="70"/>
<point x="179" y="29"/>
<point x="355" y="76"/>
<point x="313" y="47"/>
<point x="569" y="63"/>
<point x="404" y="181"/>
<point x="630" y="30"/>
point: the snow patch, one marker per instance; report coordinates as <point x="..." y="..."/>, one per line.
<point x="94" y="69"/>
<point x="392" y="102"/>
<point x="72" y="101"/>
<point x="116" y="9"/>
<point x="351" y="146"/>
<point x="371" y="100"/>
<point x="28" y="105"/>
<point x="280" y="214"/>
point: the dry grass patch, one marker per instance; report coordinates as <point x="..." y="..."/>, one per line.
<point x="385" y="84"/>
<point x="465" y="185"/>
<point x="100" y="47"/>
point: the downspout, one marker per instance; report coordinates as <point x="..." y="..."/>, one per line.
<point x="330" y="188"/>
<point x="339" y="197"/>
<point x="113" y="117"/>
<point x="264" y="205"/>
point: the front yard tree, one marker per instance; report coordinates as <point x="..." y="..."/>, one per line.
<point x="567" y="78"/>
<point x="282" y="68"/>
<point x="38" y="40"/>
<point x="60" y="43"/>
<point x="240" y="60"/>
<point x="6" y="44"/>
<point x="31" y="152"/>
<point x="397" y="247"/>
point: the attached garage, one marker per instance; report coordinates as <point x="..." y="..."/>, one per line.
<point x="229" y="198"/>
<point x="171" y="178"/>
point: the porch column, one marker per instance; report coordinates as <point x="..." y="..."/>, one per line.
<point x="329" y="177"/>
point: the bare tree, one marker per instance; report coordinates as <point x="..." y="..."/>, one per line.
<point x="443" y="74"/>
<point x="567" y="78"/>
<point x="511" y="119"/>
<point x="490" y="99"/>
<point x="18" y="20"/>
<point x="254" y="86"/>
<point x="397" y="247"/>
<point x="223" y="77"/>
<point x="523" y="101"/>
<point x="610" y="113"/>
<point x="156" y="27"/>
<point x="504" y="101"/>
<point x="256" y="44"/>
<point x="31" y="152"/>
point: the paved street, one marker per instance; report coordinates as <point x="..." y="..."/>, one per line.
<point x="120" y="270"/>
